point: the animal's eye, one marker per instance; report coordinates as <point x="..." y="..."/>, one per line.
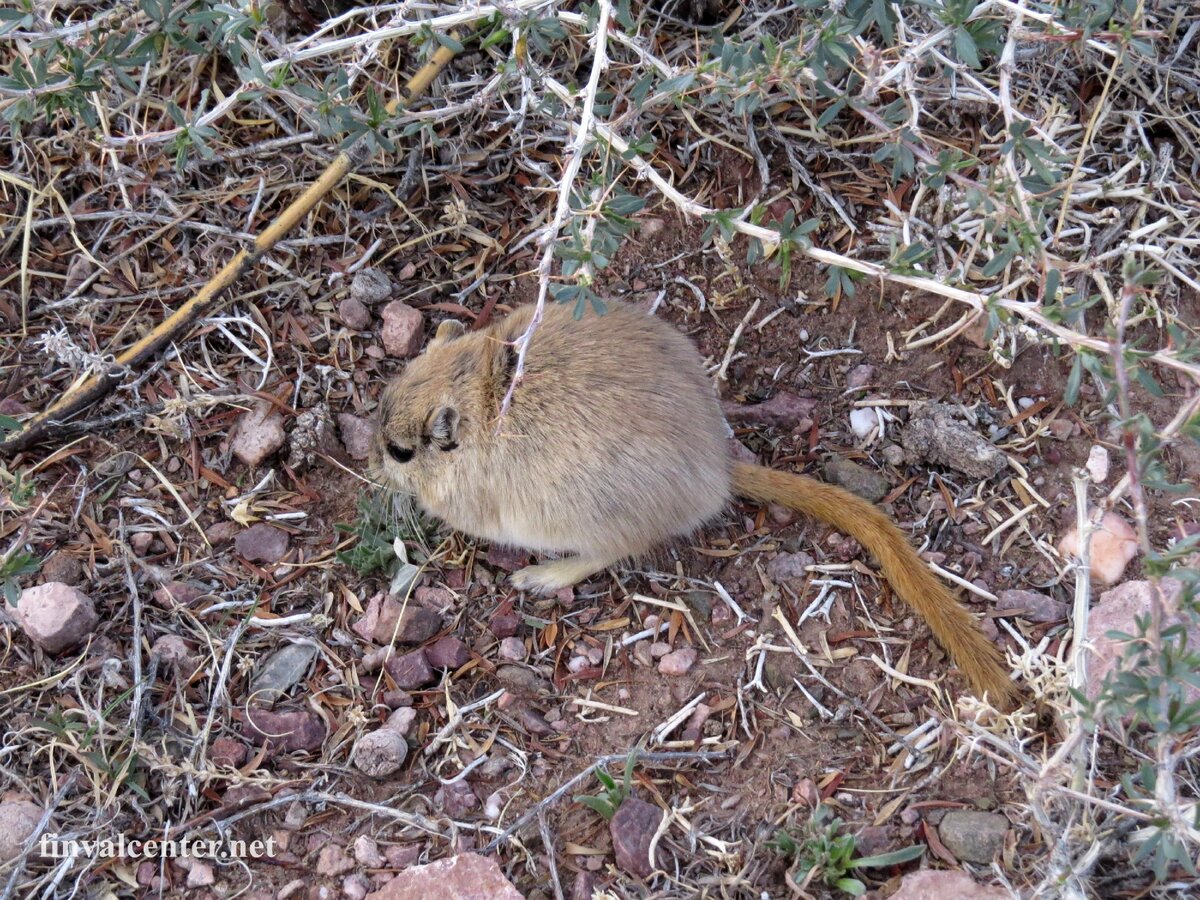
<point x="398" y="453"/>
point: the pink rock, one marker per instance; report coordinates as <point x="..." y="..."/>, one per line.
<point x="366" y="852"/>
<point x="405" y="624"/>
<point x="507" y="558"/>
<point x="1112" y="546"/>
<point x="512" y="649"/>
<point x="401" y="720"/>
<point x="285" y="731"/>
<point x="504" y="626"/>
<point x="693" y="731"/>
<point x="632" y="829"/>
<point x="227" y="752"/>
<point x="788" y="566"/>
<point x="356" y="315"/>
<point x="178" y="593"/>
<point x="403" y="328"/>
<point x="366" y="624"/>
<point x="783" y="410"/>
<point x="929" y="884"/>
<point x="141" y="542"/>
<point x="860" y="377"/>
<point x="456" y="798"/>
<point x="200" y="874"/>
<point x="259" y="434"/>
<point x="678" y="662"/>
<point x="172" y="649"/>
<point x="18" y="819"/>
<point x="55" y="616"/>
<point x="356" y="886"/>
<point x="401" y="856"/>
<point x="410" y="671"/>
<point x="332" y="860"/>
<point x="262" y="543"/>
<point x="741" y="452"/>
<point x="447" y="653"/>
<point x="357" y="434"/>
<point x="1118" y="610"/>
<point x="467" y="876"/>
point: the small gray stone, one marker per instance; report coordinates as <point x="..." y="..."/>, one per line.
<point x="281" y="671"/>
<point x="893" y="455"/>
<point x="866" y="483"/>
<point x="973" y="836"/>
<point x="1033" y="606"/>
<point x="370" y="286"/>
<point x="789" y="566"/>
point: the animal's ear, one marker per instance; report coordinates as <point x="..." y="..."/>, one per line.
<point x="448" y="331"/>
<point x="443" y="428"/>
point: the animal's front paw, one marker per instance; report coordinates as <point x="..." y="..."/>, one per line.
<point x="542" y="579"/>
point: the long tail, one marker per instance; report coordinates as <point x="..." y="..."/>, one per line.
<point x="949" y="620"/>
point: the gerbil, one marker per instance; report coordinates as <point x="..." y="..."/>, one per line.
<point x="614" y="443"/>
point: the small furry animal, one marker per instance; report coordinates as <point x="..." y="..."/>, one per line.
<point x="614" y="443"/>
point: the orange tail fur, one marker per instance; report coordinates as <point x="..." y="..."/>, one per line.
<point x="949" y="620"/>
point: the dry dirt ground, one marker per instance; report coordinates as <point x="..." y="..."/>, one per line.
<point x="776" y="751"/>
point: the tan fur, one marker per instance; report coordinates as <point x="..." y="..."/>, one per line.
<point x="614" y="443"/>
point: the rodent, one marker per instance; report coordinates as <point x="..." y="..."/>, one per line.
<point x="614" y="443"/>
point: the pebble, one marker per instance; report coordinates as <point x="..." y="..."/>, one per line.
<point x="285" y="731"/>
<point x="1097" y="464"/>
<point x="930" y="884"/>
<point x="1111" y="548"/>
<point x="333" y="860"/>
<point x="893" y="455"/>
<point x="863" y="421"/>
<point x="1033" y="606"/>
<point x="262" y="543"/>
<point x="860" y="377"/>
<point x="354" y="313"/>
<point x="18" y="820"/>
<point x="464" y="876"/>
<point x="678" y="662"/>
<point x="410" y="671"/>
<point x="973" y="836"/>
<point x="370" y="286"/>
<point x="447" y="653"/>
<point x="380" y="753"/>
<point x="281" y="671"/>
<point x="56" y="616"/>
<point x="259" y="433"/>
<point x="512" y="649"/>
<point x="867" y="483"/>
<point x="402" y="331"/>
<point x="356" y="433"/>
<point x="632" y="829"/>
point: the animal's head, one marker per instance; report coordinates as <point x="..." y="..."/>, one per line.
<point x="427" y="413"/>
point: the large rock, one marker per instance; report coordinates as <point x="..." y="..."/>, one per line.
<point x="56" y="616"/>
<point x="932" y="885"/>
<point x="467" y="876"/>
<point x="285" y="731"/>
<point x="1118" y="610"/>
